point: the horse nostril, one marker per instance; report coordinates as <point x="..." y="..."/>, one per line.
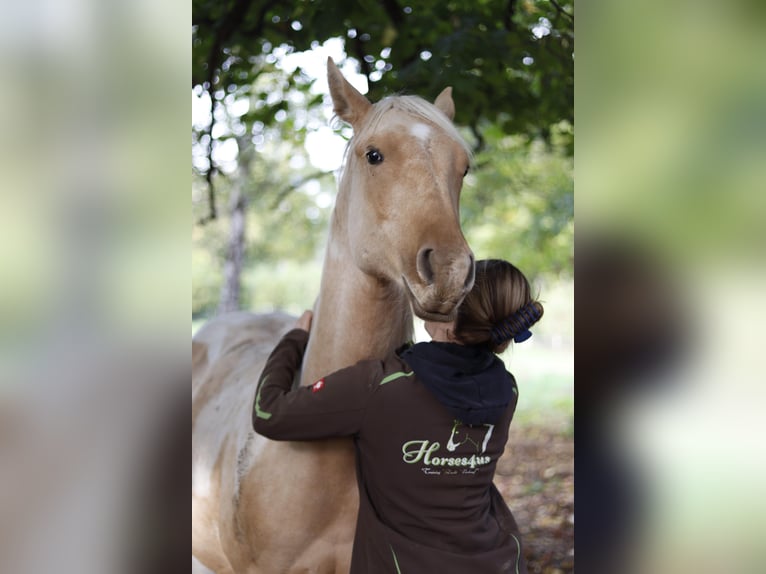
<point x="425" y="270"/>
<point x="469" y="279"/>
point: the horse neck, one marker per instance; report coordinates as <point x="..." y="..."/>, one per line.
<point x="356" y="316"/>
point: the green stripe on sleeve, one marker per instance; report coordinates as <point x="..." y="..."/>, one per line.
<point x="394" y="376"/>
<point x="258" y="412"/>
<point x="396" y="562"/>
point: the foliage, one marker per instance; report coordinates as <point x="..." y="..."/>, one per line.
<point x="262" y="121"/>
<point x="518" y="204"/>
<point x="284" y="222"/>
<point x="511" y="62"/>
<point x="288" y="285"/>
<point x="206" y="280"/>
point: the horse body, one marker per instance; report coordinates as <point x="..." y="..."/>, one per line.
<point x="266" y="507"/>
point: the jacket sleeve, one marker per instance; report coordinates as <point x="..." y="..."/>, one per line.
<point x="334" y="406"/>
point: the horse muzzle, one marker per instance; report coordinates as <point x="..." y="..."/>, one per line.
<point x="441" y="283"/>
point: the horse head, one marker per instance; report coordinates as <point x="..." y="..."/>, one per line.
<point x="455" y="438"/>
<point x="460" y="435"/>
<point x="399" y="194"/>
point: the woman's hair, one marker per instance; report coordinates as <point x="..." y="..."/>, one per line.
<point x="498" y="309"/>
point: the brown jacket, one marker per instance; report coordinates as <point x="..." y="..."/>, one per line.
<point x="427" y="501"/>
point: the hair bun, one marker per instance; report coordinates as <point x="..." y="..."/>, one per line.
<point x="517" y="325"/>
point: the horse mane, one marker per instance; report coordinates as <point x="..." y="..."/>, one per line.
<point x="414" y="105"/>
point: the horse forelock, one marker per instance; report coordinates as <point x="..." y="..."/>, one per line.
<point x="412" y="105"/>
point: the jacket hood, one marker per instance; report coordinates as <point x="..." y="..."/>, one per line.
<point x="471" y="382"/>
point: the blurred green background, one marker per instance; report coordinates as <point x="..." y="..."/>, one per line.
<point x="266" y="149"/>
<point x="671" y="157"/>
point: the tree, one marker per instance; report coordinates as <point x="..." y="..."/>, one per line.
<point x="235" y="252"/>
<point x="510" y="62"/>
<point x="519" y="202"/>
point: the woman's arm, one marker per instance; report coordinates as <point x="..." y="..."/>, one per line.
<point x="333" y="406"/>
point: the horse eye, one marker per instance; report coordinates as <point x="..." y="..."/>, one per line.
<point x="465" y="173"/>
<point x="374" y="157"/>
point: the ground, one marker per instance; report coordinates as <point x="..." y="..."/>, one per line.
<point x="535" y="476"/>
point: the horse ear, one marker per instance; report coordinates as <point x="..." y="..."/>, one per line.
<point x="444" y="102"/>
<point x="348" y="104"/>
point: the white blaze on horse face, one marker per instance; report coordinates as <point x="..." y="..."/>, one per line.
<point x="420" y="131"/>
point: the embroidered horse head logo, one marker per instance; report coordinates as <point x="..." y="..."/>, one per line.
<point x="461" y="434"/>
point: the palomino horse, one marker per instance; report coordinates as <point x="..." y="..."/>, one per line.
<point x="260" y="506"/>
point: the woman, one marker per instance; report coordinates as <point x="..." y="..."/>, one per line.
<point x="429" y="424"/>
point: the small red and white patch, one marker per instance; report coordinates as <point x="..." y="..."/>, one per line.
<point x="318" y="386"/>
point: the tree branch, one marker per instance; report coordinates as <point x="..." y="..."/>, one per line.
<point x="561" y="10"/>
<point x="480" y="142"/>
<point x="359" y="51"/>
<point x="212" y="212"/>
<point x="285" y="191"/>
<point x="227" y="27"/>
<point x="261" y="20"/>
<point x="393" y="10"/>
<point x="508" y="22"/>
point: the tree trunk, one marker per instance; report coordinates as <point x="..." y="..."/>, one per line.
<point x="230" y="299"/>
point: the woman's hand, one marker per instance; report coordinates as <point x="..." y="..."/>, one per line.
<point x="304" y="321"/>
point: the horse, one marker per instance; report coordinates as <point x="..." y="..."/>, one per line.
<point x="461" y="435"/>
<point x="395" y="247"/>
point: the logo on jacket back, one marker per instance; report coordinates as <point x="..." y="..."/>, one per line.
<point x="461" y="435"/>
<point x="473" y="439"/>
